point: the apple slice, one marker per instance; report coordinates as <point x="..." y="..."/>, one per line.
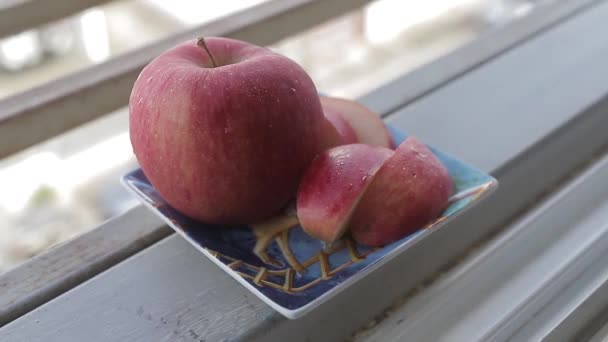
<point x="333" y="184"/>
<point x="407" y="192"/>
<point x="343" y="128"/>
<point x="335" y="132"/>
<point x="367" y="125"/>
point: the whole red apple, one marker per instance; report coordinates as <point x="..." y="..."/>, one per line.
<point x="224" y="130"/>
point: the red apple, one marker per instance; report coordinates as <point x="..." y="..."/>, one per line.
<point x="367" y="125"/>
<point x="225" y="130"/>
<point x="343" y="128"/>
<point x="407" y="192"/>
<point x="332" y="186"/>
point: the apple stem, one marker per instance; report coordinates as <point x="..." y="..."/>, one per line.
<point x="201" y="42"/>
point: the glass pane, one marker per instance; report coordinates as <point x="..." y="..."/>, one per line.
<point x="35" y="56"/>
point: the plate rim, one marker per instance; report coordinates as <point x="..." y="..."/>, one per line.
<point x="491" y="185"/>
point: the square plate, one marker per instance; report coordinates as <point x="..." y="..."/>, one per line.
<point x="289" y="270"/>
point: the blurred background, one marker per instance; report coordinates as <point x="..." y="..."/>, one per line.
<point x="67" y="185"/>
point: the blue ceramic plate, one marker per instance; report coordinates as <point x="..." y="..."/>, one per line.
<point x="287" y="269"/>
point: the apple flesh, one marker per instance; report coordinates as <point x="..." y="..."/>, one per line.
<point x="226" y="143"/>
<point x="333" y="184"/>
<point x="368" y="126"/>
<point x="408" y="191"/>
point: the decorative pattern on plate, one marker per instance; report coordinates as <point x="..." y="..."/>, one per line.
<point x="289" y="270"/>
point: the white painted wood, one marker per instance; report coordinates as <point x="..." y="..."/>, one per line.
<point x="64" y="266"/>
<point x="601" y="335"/>
<point x="518" y="277"/>
<point x="571" y="315"/>
<point x="19" y="15"/>
<point x="170" y="276"/>
<point x="65" y="103"/>
<point x="537" y="69"/>
<point x="437" y="73"/>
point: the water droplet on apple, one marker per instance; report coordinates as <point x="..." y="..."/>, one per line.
<point x="293" y="89"/>
<point x="150" y="78"/>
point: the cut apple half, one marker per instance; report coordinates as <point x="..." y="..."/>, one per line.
<point x="367" y="125"/>
<point x="333" y="185"/>
<point x="408" y="191"/>
<point x="343" y="128"/>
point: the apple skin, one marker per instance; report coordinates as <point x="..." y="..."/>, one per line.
<point x="332" y="186"/>
<point x="226" y="144"/>
<point x="408" y="191"/>
<point x="368" y="126"/>
<point x="344" y="129"/>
